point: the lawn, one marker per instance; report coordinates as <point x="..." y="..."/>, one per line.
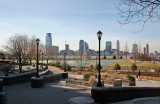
<point x="126" y="65"/>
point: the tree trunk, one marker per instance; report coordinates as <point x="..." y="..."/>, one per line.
<point x="20" y="65"/>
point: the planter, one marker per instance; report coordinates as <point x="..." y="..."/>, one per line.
<point x="65" y="75"/>
<point x="80" y="83"/>
<point x="1" y="84"/>
<point x="127" y="82"/>
<point x="113" y="82"/>
<point x="36" y="82"/>
<point x="3" y="97"/>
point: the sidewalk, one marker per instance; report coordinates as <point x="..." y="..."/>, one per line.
<point x="51" y="93"/>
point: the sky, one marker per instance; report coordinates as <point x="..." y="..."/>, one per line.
<point x="72" y="21"/>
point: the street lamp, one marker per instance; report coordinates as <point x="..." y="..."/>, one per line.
<point x="99" y="34"/>
<point x="37" y="74"/>
<point x="64" y="60"/>
<point x="65" y="57"/>
<point x="42" y="61"/>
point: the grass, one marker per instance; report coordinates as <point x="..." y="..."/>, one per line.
<point x="126" y="65"/>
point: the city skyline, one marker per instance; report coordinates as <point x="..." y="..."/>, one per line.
<point x="73" y="21"/>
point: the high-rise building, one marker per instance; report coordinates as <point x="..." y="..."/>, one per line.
<point x="144" y="50"/>
<point x="48" y="39"/>
<point x="118" y="48"/>
<point x="86" y="47"/>
<point x="67" y="47"/>
<point x="135" y="49"/>
<point x="147" y="49"/>
<point x="56" y="49"/>
<point x="108" y="46"/>
<point x="81" y="45"/>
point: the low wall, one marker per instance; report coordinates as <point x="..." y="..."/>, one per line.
<point x="18" y="78"/>
<point x="78" y="83"/>
<point x="117" y="94"/>
<point x="52" y="78"/>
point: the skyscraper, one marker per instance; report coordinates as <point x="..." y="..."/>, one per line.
<point x="81" y="45"/>
<point x="67" y="47"/>
<point x="48" y="39"/>
<point x="108" y="46"/>
<point x="118" y="48"/>
<point x="144" y="50"/>
<point x="147" y="49"/>
<point x="86" y="47"/>
<point x="135" y="49"/>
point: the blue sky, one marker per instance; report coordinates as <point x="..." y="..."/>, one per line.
<point x="72" y="20"/>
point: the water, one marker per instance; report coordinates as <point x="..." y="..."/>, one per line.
<point x="86" y="63"/>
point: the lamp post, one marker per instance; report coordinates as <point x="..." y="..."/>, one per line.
<point x="99" y="34"/>
<point x="65" y="57"/>
<point x="37" y="74"/>
<point x="42" y="61"/>
<point x="64" y="60"/>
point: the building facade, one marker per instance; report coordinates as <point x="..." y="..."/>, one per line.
<point x="118" y="49"/>
<point x="86" y="47"/>
<point x="144" y="50"/>
<point x="67" y="47"/>
<point x="147" y="49"/>
<point x="81" y="45"/>
<point x="108" y="46"/>
<point x="135" y="49"/>
<point x="56" y="49"/>
<point x="48" y="39"/>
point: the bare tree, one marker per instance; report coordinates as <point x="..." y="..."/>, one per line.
<point x="17" y="46"/>
<point x="32" y="47"/>
<point x="133" y="11"/>
<point x="48" y="53"/>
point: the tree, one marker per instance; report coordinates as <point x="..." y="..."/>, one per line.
<point x="97" y="67"/>
<point x="90" y="67"/>
<point x="117" y="67"/>
<point x="17" y="45"/>
<point x="2" y="56"/>
<point x="134" y="67"/>
<point x="139" y="11"/>
<point x="32" y="48"/>
<point x="48" y="53"/>
<point x="121" y="57"/>
<point x="114" y="57"/>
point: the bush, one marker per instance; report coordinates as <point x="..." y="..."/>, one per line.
<point x="91" y="67"/>
<point x="158" y="70"/>
<point x="114" y="57"/>
<point x="87" y="76"/>
<point x="117" y="67"/>
<point x="134" y="67"/>
<point x="97" y="67"/>
<point x="131" y="78"/>
<point x="66" y="67"/>
<point x="92" y="79"/>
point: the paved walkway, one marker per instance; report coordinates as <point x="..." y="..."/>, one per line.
<point x="54" y="93"/>
<point x="51" y="93"/>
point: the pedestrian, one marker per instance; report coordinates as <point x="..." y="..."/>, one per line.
<point x="138" y="75"/>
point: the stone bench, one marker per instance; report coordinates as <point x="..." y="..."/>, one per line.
<point x="117" y="94"/>
<point x="80" y="100"/>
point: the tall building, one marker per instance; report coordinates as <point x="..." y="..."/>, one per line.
<point x="135" y="49"/>
<point x="48" y="39"/>
<point x="56" y="49"/>
<point x="81" y="45"/>
<point x="86" y="47"/>
<point x="108" y="46"/>
<point x="147" y="49"/>
<point x="144" y="50"/>
<point x="67" y="47"/>
<point x="118" y="48"/>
